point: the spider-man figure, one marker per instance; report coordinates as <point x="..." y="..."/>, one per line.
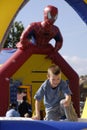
<point x="40" y="33"/>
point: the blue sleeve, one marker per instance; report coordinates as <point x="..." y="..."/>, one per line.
<point x="66" y="89"/>
<point x="40" y="93"/>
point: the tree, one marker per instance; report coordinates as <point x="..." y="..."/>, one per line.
<point x="14" y="35"/>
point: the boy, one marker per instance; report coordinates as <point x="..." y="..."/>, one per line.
<point x="57" y="97"/>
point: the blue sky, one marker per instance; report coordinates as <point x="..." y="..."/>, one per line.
<point x="73" y="29"/>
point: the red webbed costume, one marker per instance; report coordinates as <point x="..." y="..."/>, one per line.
<point x="40" y="33"/>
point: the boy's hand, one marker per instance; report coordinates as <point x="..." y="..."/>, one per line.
<point x="65" y="102"/>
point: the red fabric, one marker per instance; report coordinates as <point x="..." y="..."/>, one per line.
<point x="42" y="32"/>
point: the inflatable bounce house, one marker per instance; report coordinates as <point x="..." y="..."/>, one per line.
<point x="28" y="64"/>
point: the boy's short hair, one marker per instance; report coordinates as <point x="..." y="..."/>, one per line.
<point x="54" y="69"/>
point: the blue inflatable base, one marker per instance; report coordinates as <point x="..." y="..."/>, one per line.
<point x="41" y="125"/>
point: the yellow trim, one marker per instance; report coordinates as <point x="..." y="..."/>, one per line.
<point x="28" y="89"/>
<point x="8" y="10"/>
<point x="85" y="1"/>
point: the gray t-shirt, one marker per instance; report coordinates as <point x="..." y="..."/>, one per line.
<point x="52" y="96"/>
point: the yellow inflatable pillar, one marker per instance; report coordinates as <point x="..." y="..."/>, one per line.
<point x="84" y="113"/>
<point x="8" y="11"/>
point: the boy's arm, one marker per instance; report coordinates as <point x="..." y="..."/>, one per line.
<point x="37" y="110"/>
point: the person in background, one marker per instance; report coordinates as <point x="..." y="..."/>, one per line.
<point x="25" y="107"/>
<point x="12" y="112"/>
<point x="57" y="97"/>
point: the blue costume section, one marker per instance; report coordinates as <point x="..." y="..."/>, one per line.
<point x="80" y="6"/>
<point x="41" y="125"/>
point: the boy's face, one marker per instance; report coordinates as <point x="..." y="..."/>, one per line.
<point x="54" y="79"/>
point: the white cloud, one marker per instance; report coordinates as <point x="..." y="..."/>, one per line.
<point x="78" y="64"/>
